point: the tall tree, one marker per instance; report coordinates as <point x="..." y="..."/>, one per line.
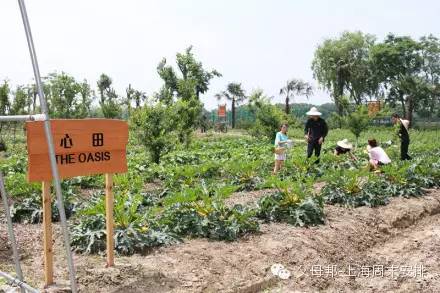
<point x="398" y="63"/>
<point x="129" y="98"/>
<point x="431" y="73"/>
<point x="139" y="97"/>
<point x="190" y="70"/>
<point x="4" y="101"/>
<point x="234" y="93"/>
<point x="66" y="97"/>
<point x="342" y="66"/>
<point x="358" y="121"/>
<point x="295" y="87"/>
<point x="109" y="103"/>
<point x="183" y="89"/>
<point x="86" y="99"/>
<point x="154" y="124"/>
<point x="268" y="117"/>
<point x="18" y="106"/>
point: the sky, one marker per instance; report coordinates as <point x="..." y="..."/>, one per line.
<point x="260" y="44"/>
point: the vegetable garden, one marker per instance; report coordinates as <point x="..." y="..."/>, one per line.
<point x="184" y="195"/>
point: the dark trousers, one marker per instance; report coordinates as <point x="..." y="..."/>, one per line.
<point x="316" y="147"/>
<point x="404" y="145"/>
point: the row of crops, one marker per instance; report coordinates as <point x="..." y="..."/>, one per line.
<point x="184" y="196"/>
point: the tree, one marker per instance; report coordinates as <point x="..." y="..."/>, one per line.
<point x="108" y="98"/>
<point x="31" y="97"/>
<point x="343" y="67"/>
<point x="431" y="73"/>
<point x="398" y="63"/>
<point x="4" y="98"/>
<point x="234" y="93"/>
<point x="295" y="87"/>
<point x="66" y="97"/>
<point x="86" y="98"/>
<point x="18" y="106"/>
<point x="4" y="102"/>
<point x="129" y="98"/>
<point x="183" y="90"/>
<point x="139" y="97"/>
<point x="154" y="124"/>
<point x="188" y="114"/>
<point x="190" y="69"/>
<point x="268" y="117"/>
<point x="358" y="121"/>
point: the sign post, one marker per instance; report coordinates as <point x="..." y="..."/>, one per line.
<point x="109" y="223"/>
<point x="82" y="147"/>
<point x="47" y="234"/>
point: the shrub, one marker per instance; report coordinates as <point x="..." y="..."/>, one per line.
<point x="154" y="125"/>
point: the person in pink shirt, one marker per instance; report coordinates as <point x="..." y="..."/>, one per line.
<point x="378" y="156"/>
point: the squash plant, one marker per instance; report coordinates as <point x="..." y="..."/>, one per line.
<point x="292" y="203"/>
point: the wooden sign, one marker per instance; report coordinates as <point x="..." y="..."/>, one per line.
<point x="222" y="111"/>
<point x="82" y="147"/>
<point x="373" y="108"/>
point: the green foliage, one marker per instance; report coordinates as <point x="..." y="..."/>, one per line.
<point x="188" y="112"/>
<point x="210" y="219"/>
<point x="109" y="100"/>
<point x="133" y="233"/>
<point x="295" y="87"/>
<point x="17" y="186"/>
<point x="245" y="174"/>
<point x="292" y="203"/>
<point x="66" y="97"/>
<point x="235" y="93"/>
<point x="191" y="184"/>
<point x="181" y="94"/>
<point x="342" y="65"/>
<point x="349" y="189"/>
<point x="268" y="117"/>
<point x="154" y="126"/>
<point x="30" y="208"/>
<point x="194" y="78"/>
<point x="358" y="121"/>
<point x="4" y="98"/>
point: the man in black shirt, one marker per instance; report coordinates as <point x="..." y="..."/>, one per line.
<point x="315" y="132"/>
<point x="404" y="136"/>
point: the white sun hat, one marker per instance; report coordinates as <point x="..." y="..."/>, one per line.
<point x="344" y="144"/>
<point x="314" y="112"/>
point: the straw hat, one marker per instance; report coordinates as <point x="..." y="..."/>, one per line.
<point x="344" y="144"/>
<point x="314" y="112"/>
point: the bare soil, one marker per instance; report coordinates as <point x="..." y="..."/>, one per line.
<point x="399" y="238"/>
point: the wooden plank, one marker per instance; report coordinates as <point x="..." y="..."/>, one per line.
<point x="47" y="234"/>
<point x="80" y="133"/>
<point x="82" y="147"/>
<point x="109" y="221"/>
<point x="40" y="170"/>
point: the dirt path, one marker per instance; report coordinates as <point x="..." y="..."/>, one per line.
<point x="402" y="235"/>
